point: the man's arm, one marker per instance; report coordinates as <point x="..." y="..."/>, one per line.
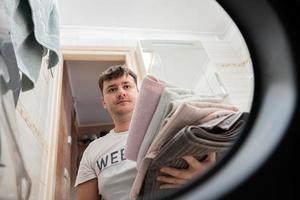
<point x="87" y="190"/>
<point x="176" y="177"/>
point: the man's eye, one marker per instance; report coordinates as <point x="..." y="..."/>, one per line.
<point x="127" y="86"/>
<point x="112" y="90"/>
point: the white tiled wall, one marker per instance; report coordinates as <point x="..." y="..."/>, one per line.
<point x="234" y="66"/>
<point x="239" y="83"/>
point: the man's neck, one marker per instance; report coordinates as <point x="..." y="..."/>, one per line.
<point x="122" y="124"/>
<point x="120" y="129"/>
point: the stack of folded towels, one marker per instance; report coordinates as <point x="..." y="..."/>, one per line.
<point x="171" y="122"/>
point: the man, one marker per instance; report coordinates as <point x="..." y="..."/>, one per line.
<point x="104" y="169"/>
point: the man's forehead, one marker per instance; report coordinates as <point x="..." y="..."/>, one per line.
<point x="117" y="81"/>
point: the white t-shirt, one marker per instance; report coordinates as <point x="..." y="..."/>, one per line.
<point x="105" y="160"/>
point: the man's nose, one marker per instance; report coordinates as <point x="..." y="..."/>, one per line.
<point x="121" y="92"/>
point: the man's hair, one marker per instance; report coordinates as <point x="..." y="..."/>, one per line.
<point x="114" y="72"/>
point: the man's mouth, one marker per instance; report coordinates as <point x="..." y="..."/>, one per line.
<point x="123" y="101"/>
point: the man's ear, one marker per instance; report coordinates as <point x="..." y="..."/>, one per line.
<point x="103" y="103"/>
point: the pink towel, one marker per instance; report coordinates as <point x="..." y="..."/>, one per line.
<point x="150" y="92"/>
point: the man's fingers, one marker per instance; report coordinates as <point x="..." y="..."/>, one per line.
<point x="194" y="163"/>
<point x="211" y="158"/>
<point x="178" y="173"/>
<point x="180" y="176"/>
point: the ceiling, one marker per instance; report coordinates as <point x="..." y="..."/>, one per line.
<point x="189" y="16"/>
<point x="204" y="16"/>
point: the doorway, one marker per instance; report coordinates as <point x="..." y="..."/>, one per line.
<point x="81" y="118"/>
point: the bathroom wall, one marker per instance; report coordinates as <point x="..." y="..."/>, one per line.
<point x="35" y="139"/>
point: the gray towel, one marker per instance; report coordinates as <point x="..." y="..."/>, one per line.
<point x="8" y="63"/>
<point x="34" y="29"/>
<point x="191" y="140"/>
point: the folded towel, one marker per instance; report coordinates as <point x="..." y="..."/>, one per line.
<point x="165" y="109"/>
<point x="148" y="99"/>
<point x="191" y="140"/>
<point x="188" y="114"/>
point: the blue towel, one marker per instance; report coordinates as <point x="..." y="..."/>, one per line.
<point x="34" y="29"/>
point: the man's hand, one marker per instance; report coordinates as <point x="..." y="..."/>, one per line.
<point x="176" y="177"/>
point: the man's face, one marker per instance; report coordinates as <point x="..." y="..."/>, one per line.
<point x="119" y="95"/>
